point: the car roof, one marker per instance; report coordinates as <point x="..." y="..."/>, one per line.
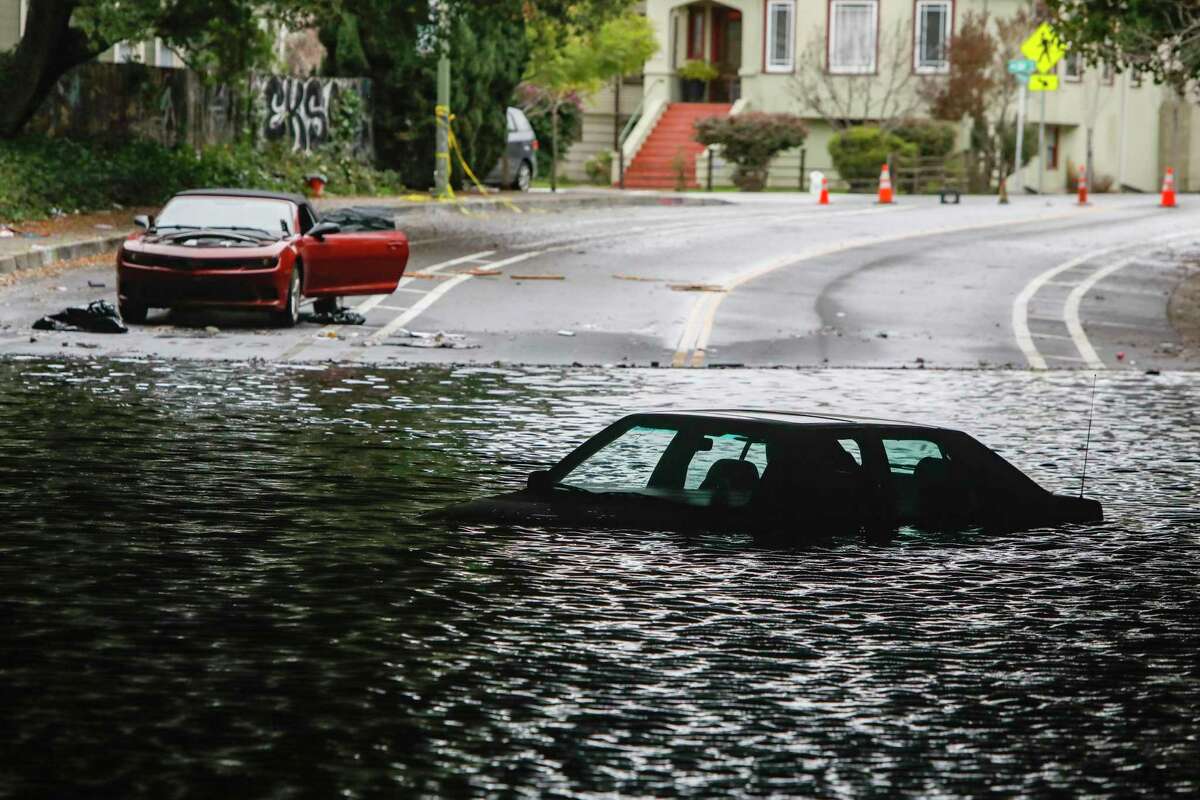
<point x="790" y="418"/>
<point x="298" y="199"/>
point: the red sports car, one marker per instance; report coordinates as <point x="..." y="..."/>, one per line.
<point x="237" y="248"/>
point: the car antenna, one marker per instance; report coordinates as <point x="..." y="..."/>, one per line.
<point x="1087" y="442"/>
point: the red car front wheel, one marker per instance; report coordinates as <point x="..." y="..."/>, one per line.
<point x="290" y="314"/>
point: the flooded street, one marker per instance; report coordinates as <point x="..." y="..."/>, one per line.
<point x="215" y="582"/>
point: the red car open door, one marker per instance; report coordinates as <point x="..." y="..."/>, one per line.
<point x="366" y="262"/>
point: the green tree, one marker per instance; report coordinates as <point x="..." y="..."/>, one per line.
<point x="1159" y="37"/>
<point x="221" y="38"/>
<point x="576" y="55"/>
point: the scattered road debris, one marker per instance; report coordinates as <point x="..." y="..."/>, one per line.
<point x="100" y="316"/>
<point x="426" y="276"/>
<point x="566" y="333"/>
<point x="342" y="316"/>
<point x="96" y="284"/>
<point x="538" y="277"/>
<point x="440" y="339"/>
<point x="696" y="287"/>
<point x="621" y="277"/>
<point x="480" y="272"/>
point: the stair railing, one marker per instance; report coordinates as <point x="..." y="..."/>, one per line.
<point x="634" y="119"/>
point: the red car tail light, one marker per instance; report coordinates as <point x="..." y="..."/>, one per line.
<point x="536" y="146"/>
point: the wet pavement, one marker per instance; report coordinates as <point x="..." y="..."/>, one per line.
<point x="770" y="280"/>
<point x="215" y="583"/>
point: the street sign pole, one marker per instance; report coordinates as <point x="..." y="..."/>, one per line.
<point x="1042" y="147"/>
<point x="1020" y="139"/>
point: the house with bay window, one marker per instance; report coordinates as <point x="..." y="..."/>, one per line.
<point x="862" y="61"/>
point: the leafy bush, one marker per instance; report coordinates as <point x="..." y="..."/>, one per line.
<point x="599" y="168"/>
<point x="697" y="70"/>
<point x="933" y="139"/>
<point x="42" y="174"/>
<point x="749" y="141"/>
<point x="859" y="152"/>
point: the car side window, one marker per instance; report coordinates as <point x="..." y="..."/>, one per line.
<point x="306" y="219"/>
<point x="904" y="455"/>
<point x="624" y="464"/>
<point x="725" y="447"/>
<point x="853" y="448"/>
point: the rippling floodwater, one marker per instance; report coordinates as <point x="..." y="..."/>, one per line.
<point x="212" y="583"/>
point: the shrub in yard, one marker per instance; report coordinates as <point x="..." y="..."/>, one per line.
<point x="859" y="152"/>
<point x="934" y="139"/>
<point x="749" y="142"/>
<point x="599" y="168"/>
<point x="42" y="173"/>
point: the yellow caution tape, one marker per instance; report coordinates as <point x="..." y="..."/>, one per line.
<point x="444" y="117"/>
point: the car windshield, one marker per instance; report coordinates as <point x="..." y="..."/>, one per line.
<point x="273" y="217"/>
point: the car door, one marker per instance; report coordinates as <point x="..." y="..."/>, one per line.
<point x="353" y="263"/>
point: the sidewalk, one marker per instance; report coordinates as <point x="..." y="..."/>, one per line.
<point x="41" y="243"/>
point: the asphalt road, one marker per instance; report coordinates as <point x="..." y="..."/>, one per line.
<point x="769" y="280"/>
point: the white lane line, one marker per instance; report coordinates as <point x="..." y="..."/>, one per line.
<point x="1020" y="307"/>
<point x="432" y="296"/>
<point x="1057" y="336"/>
<point x="703" y="317"/>
<point x="1071" y="312"/>
<point x="376" y="299"/>
<point x="418" y="307"/>
<point x="405" y="308"/>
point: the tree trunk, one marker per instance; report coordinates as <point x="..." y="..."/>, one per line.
<point x="554" y="148"/>
<point x="48" y="50"/>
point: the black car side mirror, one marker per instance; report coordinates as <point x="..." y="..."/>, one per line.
<point x="539" y="481"/>
<point x="144" y="222"/>
<point x="323" y="229"/>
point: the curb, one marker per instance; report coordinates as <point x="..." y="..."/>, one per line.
<point x="436" y="209"/>
<point x="45" y="256"/>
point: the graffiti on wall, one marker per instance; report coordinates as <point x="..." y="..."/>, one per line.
<point x="297" y="110"/>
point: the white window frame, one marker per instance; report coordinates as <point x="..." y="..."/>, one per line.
<point x="788" y="63"/>
<point x="942" y="66"/>
<point x="1077" y="60"/>
<point x="840" y="69"/>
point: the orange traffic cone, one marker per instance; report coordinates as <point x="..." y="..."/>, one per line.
<point x="1082" y="184"/>
<point x="885" y="186"/>
<point x="1168" y="189"/>
<point x="823" y="200"/>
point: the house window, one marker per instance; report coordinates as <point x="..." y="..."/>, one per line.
<point x="781" y="35"/>
<point x="853" y="25"/>
<point x="125" y="53"/>
<point x="1051" y="147"/>
<point x="933" y="36"/>
<point x="695" y="47"/>
<point x="1073" y="67"/>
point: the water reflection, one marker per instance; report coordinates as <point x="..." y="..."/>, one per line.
<point x="213" y="582"/>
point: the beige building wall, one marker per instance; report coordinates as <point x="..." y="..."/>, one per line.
<point x="1133" y="137"/>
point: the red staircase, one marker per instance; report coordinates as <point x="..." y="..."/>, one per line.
<point x="653" y="167"/>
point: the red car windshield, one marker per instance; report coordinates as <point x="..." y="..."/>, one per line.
<point x="273" y="217"/>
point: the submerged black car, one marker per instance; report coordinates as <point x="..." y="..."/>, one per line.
<point x="776" y="472"/>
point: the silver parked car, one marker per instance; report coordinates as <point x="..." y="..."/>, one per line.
<point x="517" y="168"/>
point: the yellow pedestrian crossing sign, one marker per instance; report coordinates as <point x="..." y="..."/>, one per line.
<point x="1043" y="83"/>
<point x="1043" y="48"/>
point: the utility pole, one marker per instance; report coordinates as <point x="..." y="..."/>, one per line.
<point x="1121" y="137"/>
<point x="1042" y="148"/>
<point x="1021" y="135"/>
<point x="441" y="166"/>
